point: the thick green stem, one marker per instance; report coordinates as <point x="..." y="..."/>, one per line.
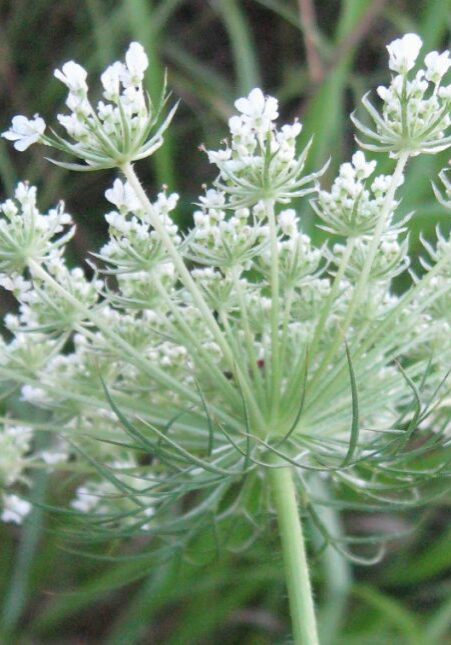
<point x="295" y="559"/>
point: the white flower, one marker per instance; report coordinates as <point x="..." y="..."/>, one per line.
<point x="85" y="501"/>
<point x="125" y="127"/>
<point x="238" y="127"/>
<point x="15" y="509"/>
<point x="73" y="125"/>
<point x="404" y="52"/>
<point x="123" y="196"/>
<point x="437" y="65"/>
<point x="137" y="63"/>
<point x="25" y="132"/>
<point x="74" y="76"/>
<point x="363" y="167"/>
<point x="288" y="222"/>
<point x="53" y="457"/>
<point x="111" y="80"/>
<point x="15" y="283"/>
<point x="289" y="132"/>
<point x="257" y="106"/>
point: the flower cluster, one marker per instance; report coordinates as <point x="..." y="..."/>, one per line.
<point x="260" y="161"/>
<point x="26" y="234"/>
<point x="415" y="108"/>
<point x="134" y="246"/>
<point x="222" y="241"/>
<point x="203" y="360"/>
<point x="352" y="207"/>
<point x="122" y="128"/>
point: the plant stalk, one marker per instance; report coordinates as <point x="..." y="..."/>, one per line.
<point x="189" y="283"/>
<point x="132" y="354"/>
<point x="275" y="308"/>
<point x="295" y="560"/>
<point x="366" y="270"/>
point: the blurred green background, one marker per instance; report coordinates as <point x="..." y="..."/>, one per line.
<point x="318" y="57"/>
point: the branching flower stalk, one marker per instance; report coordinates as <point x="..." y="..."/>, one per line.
<point x="210" y="380"/>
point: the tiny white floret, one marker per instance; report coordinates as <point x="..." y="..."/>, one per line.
<point x="257" y="106"/>
<point x="137" y="63"/>
<point x="24" y="132"/>
<point x="123" y="196"/>
<point x="404" y="52"/>
<point x="288" y="222"/>
<point x="110" y="80"/>
<point x="14" y="509"/>
<point x="74" y="76"/>
<point x="437" y="65"/>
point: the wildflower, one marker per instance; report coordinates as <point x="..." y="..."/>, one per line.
<point x="26" y="235"/>
<point x="15" y="509"/>
<point x="404" y="53"/>
<point x="111" y="81"/>
<point x="239" y="357"/>
<point x="127" y="128"/>
<point x="258" y="112"/>
<point x="437" y="66"/>
<point x="415" y="109"/>
<point x="74" y="76"/>
<point x="352" y="207"/>
<point x="123" y="197"/>
<point x="24" y="132"/>
<point x="136" y="64"/>
<point x="261" y="162"/>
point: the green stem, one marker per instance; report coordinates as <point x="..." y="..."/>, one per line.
<point x="275" y="308"/>
<point x="332" y="295"/>
<point x="249" y="336"/>
<point x="189" y="283"/>
<point x="295" y="559"/>
<point x="337" y="571"/>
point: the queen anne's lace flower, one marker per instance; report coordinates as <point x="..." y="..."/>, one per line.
<point x="24" y="132"/>
<point x="415" y="109"/>
<point x="261" y="162"/>
<point x="14" y="509"/>
<point x="352" y="206"/>
<point x="229" y="347"/>
<point x="74" y="77"/>
<point x="27" y="235"/>
<point x="437" y="65"/>
<point x="123" y="197"/>
<point x="403" y="53"/>
<point x="125" y="129"/>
